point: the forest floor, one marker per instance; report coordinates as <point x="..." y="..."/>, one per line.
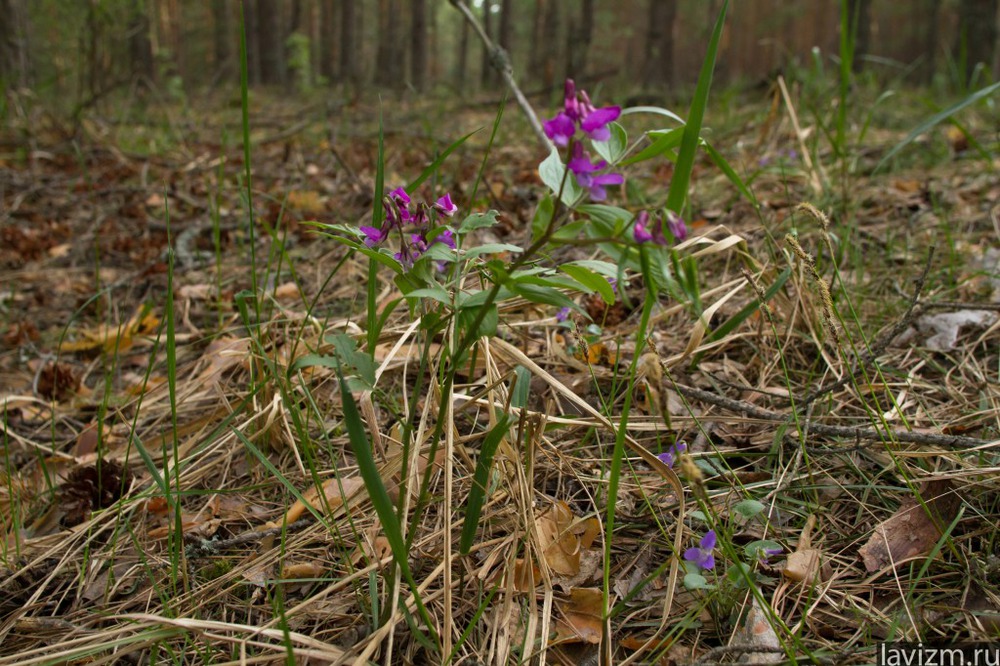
<point x="156" y="468"/>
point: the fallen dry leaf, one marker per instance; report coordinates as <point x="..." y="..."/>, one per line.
<point x="758" y="633"/>
<point x="910" y="531"/>
<point x="562" y="538"/>
<point x="580" y="616"/>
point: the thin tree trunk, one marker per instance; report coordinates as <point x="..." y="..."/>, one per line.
<point x="580" y="33"/>
<point x="659" y="70"/>
<point x="462" y="61"/>
<point x="537" y="28"/>
<point x="349" y="56"/>
<point x="15" y="63"/>
<point x="271" y="43"/>
<point x="418" y="44"/>
<point x="222" y="30"/>
<point x="486" y="74"/>
<point x="549" y="40"/>
<point x="387" y="65"/>
<point x="328" y="40"/>
<point x="140" y="46"/>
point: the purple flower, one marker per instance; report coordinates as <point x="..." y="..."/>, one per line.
<point x="597" y="183"/>
<point x="702" y="555"/>
<point x="447" y="237"/>
<point x="560" y="129"/>
<point x="373" y="236"/>
<point x="676" y="226"/>
<point x="767" y="553"/>
<point x="595" y="125"/>
<point x="642" y="234"/>
<point x="577" y="108"/>
<point x="669" y="456"/>
<point x="563" y="314"/>
<point x="445" y="206"/>
<point x="581" y="164"/>
<point x="646" y="230"/>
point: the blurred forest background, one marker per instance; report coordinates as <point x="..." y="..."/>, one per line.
<point x="78" y="51"/>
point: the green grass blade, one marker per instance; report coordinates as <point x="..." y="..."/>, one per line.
<point x="379" y="496"/>
<point x="480" y="483"/>
<point x="436" y="164"/>
<point x="378" y="214"/>
<point x="937" y="118"/>
<point x="692" y="130"/>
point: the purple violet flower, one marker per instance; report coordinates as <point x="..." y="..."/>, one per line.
<point x="373" y="236"/>
<point x="702" y="555"/>
<point x="676" y="226"/>
<point x="595" y="125"/>
<point x="563" y="314"/>
<point x="669" y="457"/>
<point x="596" y="184"/>
<point x="768" y="553"/>
<point x="560" y="129"/>
<point x="642" y="234"/>
<point x="445" y="206"/>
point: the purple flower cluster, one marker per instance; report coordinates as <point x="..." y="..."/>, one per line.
<point x="646" y="231"/>
<point x="403" y="215"/>
<point x="669" y="457"/>
<point x="578" y="111"/>
<point x="701" y="556"/>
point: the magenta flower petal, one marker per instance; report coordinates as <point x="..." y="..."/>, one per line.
<point x="445" y="205"/>
<point x="642" y="235"/>
<point x="400" y="196"/>
<point x="560" y="129"/>
<point x="702" y="555"/>
<point x="676" y="226"/>
<point x="373" y="236"/>
<point x="447" y="237"/>
<point x="595" y="125"/>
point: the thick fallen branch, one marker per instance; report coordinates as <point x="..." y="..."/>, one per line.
<point x="949" y="441"/>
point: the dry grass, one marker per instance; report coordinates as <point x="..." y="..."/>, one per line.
<point x="816" y="410"/>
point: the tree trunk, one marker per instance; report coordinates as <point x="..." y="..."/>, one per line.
<point x="506" y="36"/>
<point x="535" y="51"/>
<point x="388" y="68"/>
<point x="487" y="73"/>
<point x="328" y="40"/>
<point x="418" y="44"/>
<point x="270" y="43"/>
<point x="977" y="33"/>
<point x="581" y="33"/>
<point x="250" y="35"/>
<point x="462" y="61"/>
<point x="15" y="65"/>
<point x="222" y="29"/>
<point x="140" y="46"/>
<point x="931" y="36"/>
<point x="549" y="41"/>
<point x="659" y="69"/>
<point x="349" y="56"/>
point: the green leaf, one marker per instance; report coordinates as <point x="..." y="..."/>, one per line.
<point x="553" y="173"/>
<point x="436" y="292"/>
<point x="692" y="130"/>
<point x="492" y="248"/>
<point x="539" y="294"/>
<point x="522" y="387"/>
<point x="730" y="173"/>
<point x="657" y="110"/>
<point x="488" y="326"/>
<point x="434" y="166"/>
<point x="662" y="142"/>
<point x="693" y="581"/>
<point x="543" y="217"/>
<point x="480" y="483"/>
<point x="739" y="574"/>
<point x="611" y="217"/>
<point x="590" y="281"/>
<point x="614" y="148"/>
<point x="748" y="508"/>
<point x="756" y="550"/>
<point x="935" y="119"/>
<point x="478" y="221"/>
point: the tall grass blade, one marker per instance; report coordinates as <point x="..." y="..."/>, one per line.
<point x="689" y="143"/>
